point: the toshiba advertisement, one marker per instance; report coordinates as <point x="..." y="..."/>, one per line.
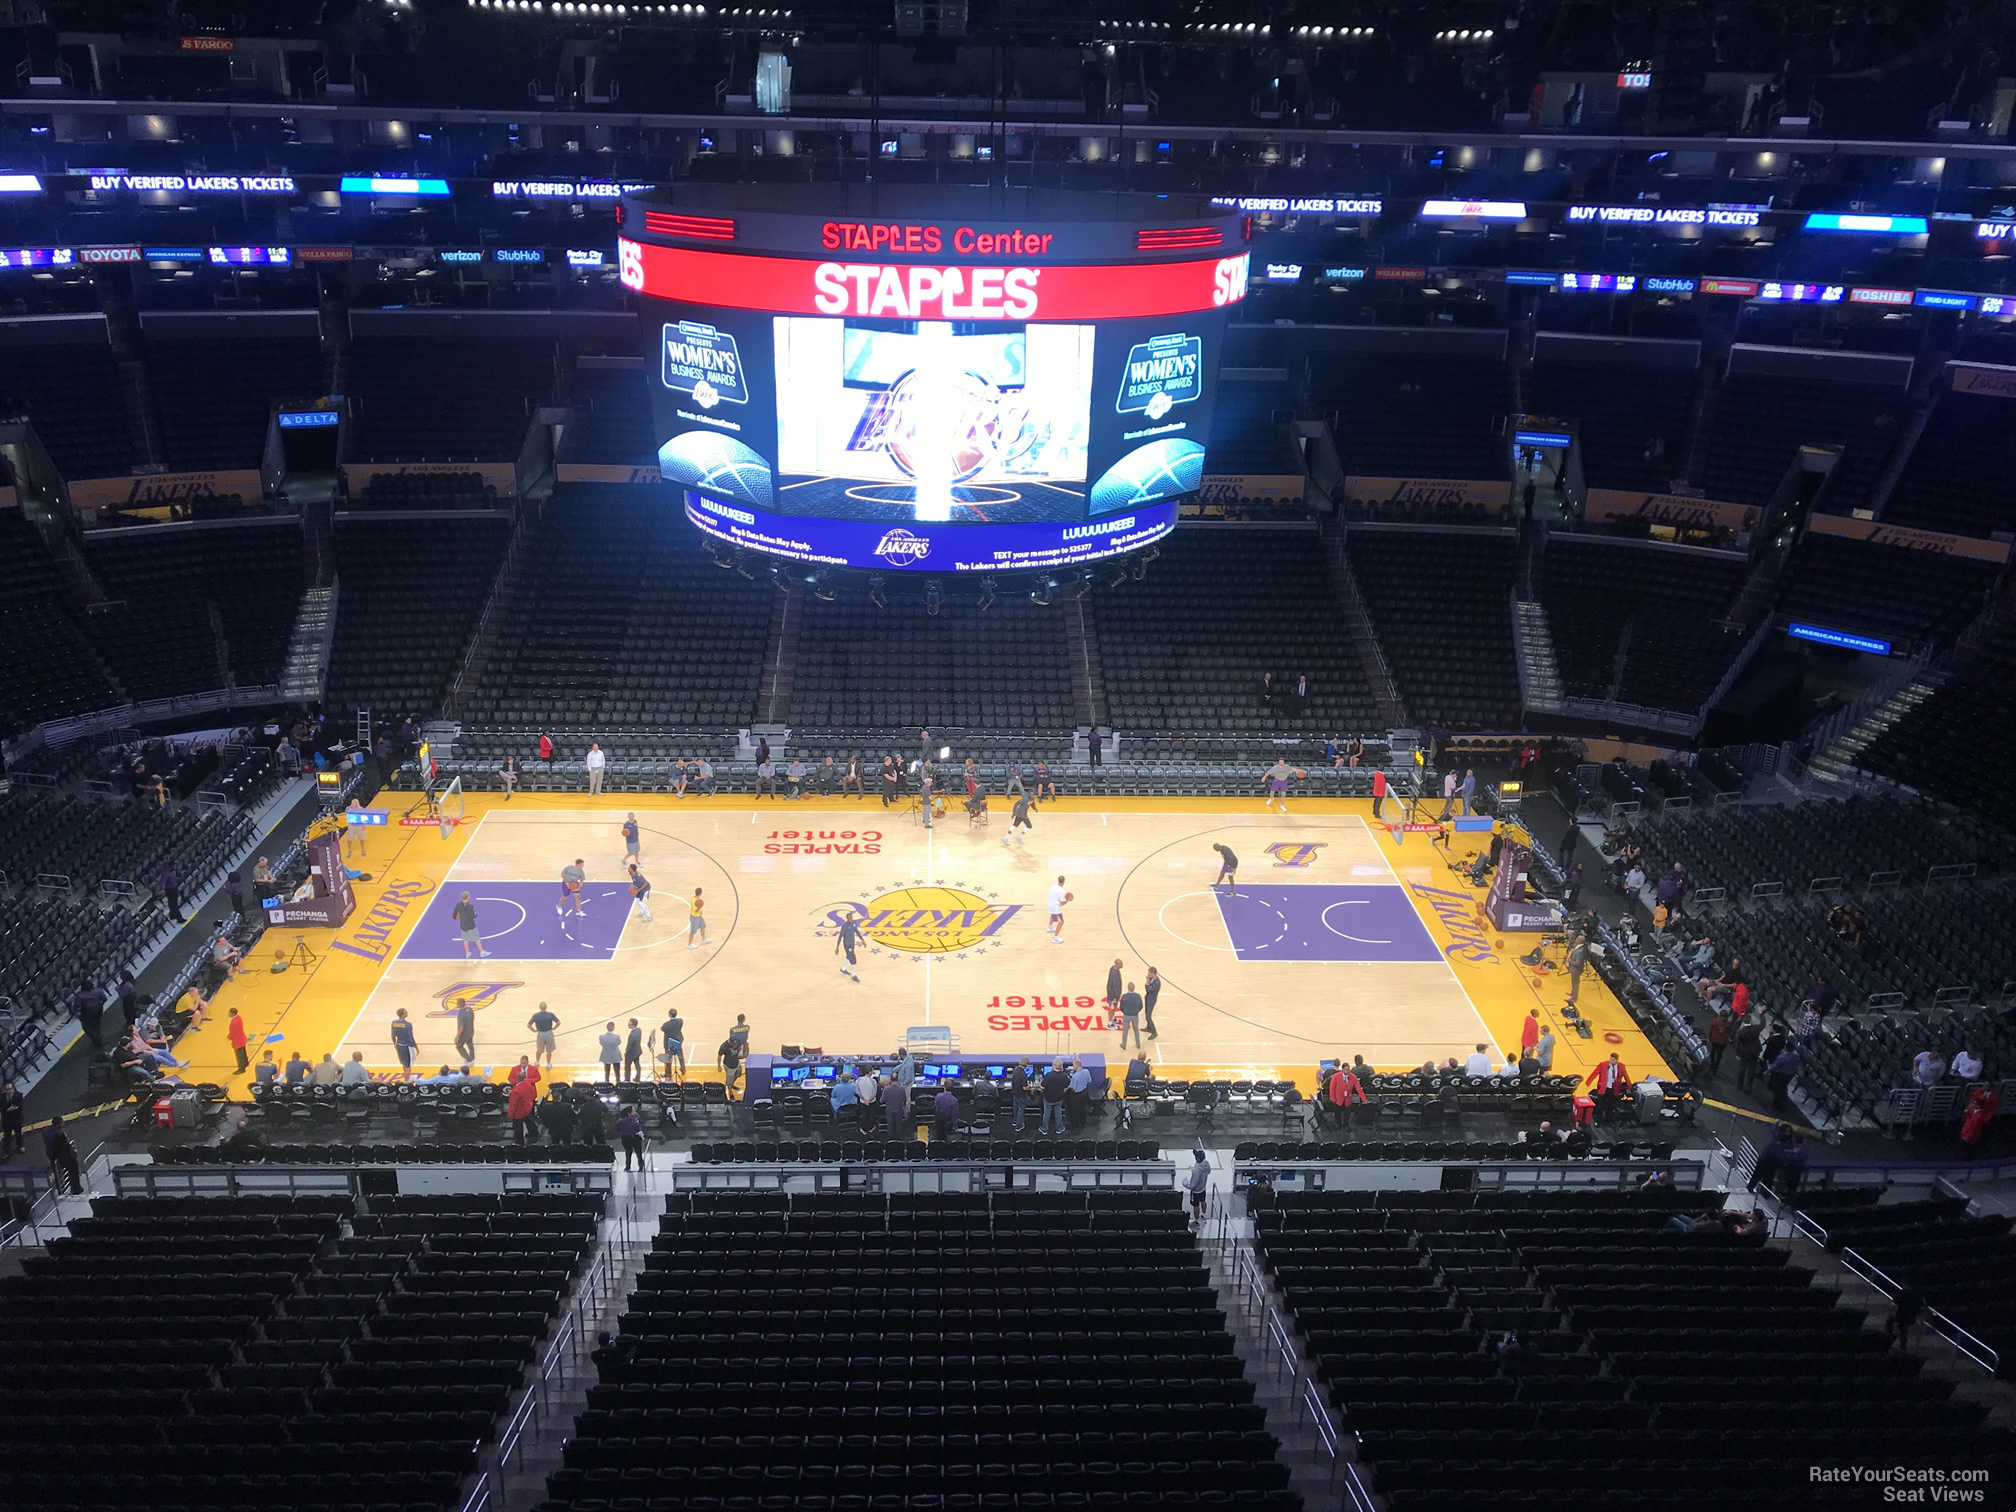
<point x="933" y="396"/>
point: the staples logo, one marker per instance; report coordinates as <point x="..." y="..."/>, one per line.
<point x="904" y="293"/>
<point x="899" y="546"/>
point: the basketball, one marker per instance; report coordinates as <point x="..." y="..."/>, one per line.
<point x="1300" y="775"/>
<point x="1069" y="896"/>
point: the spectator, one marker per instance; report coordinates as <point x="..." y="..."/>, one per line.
<point x="1983" y="1103"/>
<point x="703" y="777"/>
<point x="355" y="1072"/>
<point x="1825" y="996"/>
<point x="267" y="1073"/>
<point x="62" y="1157"/>
<point x="1929" y="1068"/>
<point x="546" y="749"/>
<point x="227" y="955"/>
<point x="633" y="1053"/>
<point x="297" y="1070"/>
<point x="234" y="889"/>
<point x="524" y="1096"/>
<point x="327" y="1072"/>
<point x="1779" y="1074"/>
<point x="766" y="778"/>
<point x="595" y="762"/>
<point x="612" y="1051"/>
<point x="1578" y="958"/>
<point x="89" y="1006"/>
<point x="507" y="774"/>
<point x="1018" y="1092"/>
<point x="263" y="878"/>
<point x="1543" y="1050"/>
<point x="1197" y="1182"/>
<point x="630" y="1129"/>
<point x="1967" y="1065"/>
<point x="1139" y="1075"/>
<point x="13" y="1111"/>
<point x="1749" y="1041"/>
<point x="1056" y="1082"/>
<point x="1479" y="1063"/>
<point x="171" y="890"/>
<point x="944" y="1113"/>
<point x="845" y="1095"/>
<point x="729" y="1058"/>
<point x="1718" y="1041"/>
<point x="1609" y="1081"/>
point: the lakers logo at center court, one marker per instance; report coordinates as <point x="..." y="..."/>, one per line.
<point x="1300" y="853"/>
<point x="922" y="920"/>
<point x="477" y="995"/>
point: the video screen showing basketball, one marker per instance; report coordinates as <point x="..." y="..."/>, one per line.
<point x="932" y="420"/>
<point x="952" y="399"/>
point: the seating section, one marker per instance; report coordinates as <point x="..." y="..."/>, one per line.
<point x="409" y="593"/>
<point x="1909" y="597"/>
<point x="448" y="490"/>
<point x="1958" y="478"/>
<point x="612" y="418"/>
<point x="1854" y="843"/>
<point x="621" y="619"/>
<point x="247" y="1353"/>
<point x="941" y="1350"/>
<point x="1440" y="602"/>
<point x="1961" y="1266"/>
<point x="1184" y="650"/>
<point x="1761" y="422"/>
<point x="90" y="839"/>
<point x="1637" y="623"/>
<point x="1413" y="417"/>
<point x="48" y="669"/>
<point x="1007" y="667"/>
<point x="1953" y="744"/>
<point x="1620" y="413"/>
<point x="465" y="399"/>
<point x="1519" y="1349"/>
<point x="1863" y="1063"/>
<point x="1249" y="430"/>
<point x="74" y="398"/>
<point x="175" y="590"/>
<point x="215" y="398"/>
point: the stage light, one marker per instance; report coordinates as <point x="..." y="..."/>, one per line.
<point x="986" y="594"/>
<point x="822" y="587"/>
<point x="742" y="566"/>
<point x="1141" y="566"/>
<point x="1119" y="574"/>
<point x="1083" y="586"/>
<point x="876" y="583"/>
<point x="934" y="596"/>
<point x="1042" y="595"/>
<point x="944" y="753"/>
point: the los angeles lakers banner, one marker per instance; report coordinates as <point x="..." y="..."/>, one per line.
<point x="1984" y="379"/>
<point x="1677" y="510"/>
<point x="1910" y="539"/>
<point x="606" y="472"/>
<point x="1430" y="493"/>
<point x="1246" y="488"/>
<point x="159" y="490"/>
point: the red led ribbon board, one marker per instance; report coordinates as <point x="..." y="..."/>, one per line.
<point x="865" y="289"/>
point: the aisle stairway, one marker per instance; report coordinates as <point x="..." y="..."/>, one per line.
<point x="306" y="670"/>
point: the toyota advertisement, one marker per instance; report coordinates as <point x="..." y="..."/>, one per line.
<point x="1025" y="413"/>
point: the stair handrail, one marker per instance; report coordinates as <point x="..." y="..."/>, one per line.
<point x="479" y="637"/>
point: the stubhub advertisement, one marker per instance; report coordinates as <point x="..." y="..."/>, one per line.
<point x="922" y="547"/>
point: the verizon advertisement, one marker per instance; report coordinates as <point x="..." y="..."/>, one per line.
<point x="930" y="416"/>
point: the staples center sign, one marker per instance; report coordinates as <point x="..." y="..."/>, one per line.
<point x="907" y="291"/>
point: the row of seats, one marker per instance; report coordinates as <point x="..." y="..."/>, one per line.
<point x="929" y="1422"/>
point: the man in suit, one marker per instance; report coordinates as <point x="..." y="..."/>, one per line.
<point x="1609" y="1081"/>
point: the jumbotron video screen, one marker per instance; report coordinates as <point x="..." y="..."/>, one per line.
<point x="1015" y="406"/>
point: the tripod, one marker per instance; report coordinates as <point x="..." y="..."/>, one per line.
<point x="303" y="956"/>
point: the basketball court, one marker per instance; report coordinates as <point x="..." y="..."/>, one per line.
<point x="1342" y="937"/>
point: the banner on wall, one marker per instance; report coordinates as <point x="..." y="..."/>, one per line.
<point x="154" y="489"/>
<point x="1990" y="382"/>
<point x="1677" y="510"/>
<point x="1430" y="493"/>
<point x="606" y="472"/>
<point x="1248" y="488"/>
<point x="502" y="476"/>
<point x="1937" y="541"/>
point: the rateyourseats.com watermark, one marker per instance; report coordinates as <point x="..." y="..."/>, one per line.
<point x="1910" y="1485"/>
